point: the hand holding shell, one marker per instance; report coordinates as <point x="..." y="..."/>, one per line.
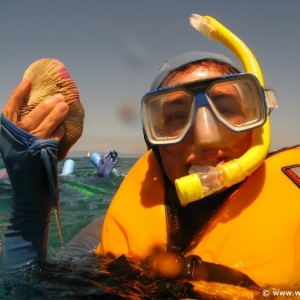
<point x="50" y="77"/>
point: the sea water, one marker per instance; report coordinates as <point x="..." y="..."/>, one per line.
<point x="84" y="197"/>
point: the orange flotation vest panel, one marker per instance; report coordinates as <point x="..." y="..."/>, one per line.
<point x="256" y="231"/>
<point x="135" y="221"/>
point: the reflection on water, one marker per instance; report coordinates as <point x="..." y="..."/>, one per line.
<point x="88" y="278"/>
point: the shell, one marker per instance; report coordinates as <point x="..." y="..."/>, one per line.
<point x="49" y="77"/>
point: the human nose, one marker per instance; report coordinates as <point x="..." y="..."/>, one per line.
<point x="206" y="130"/>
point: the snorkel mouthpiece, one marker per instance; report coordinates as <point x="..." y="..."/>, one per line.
<point x="207" y="180"/>
<point x="202" y="181"/>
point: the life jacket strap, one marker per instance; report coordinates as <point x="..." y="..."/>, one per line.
<point x="197" y="269"/>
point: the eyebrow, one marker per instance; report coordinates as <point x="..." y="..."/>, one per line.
<point x="175" y="98"/>
<point x="223" y="95"/>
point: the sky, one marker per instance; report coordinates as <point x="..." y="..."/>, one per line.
<point x="114" y="48"/>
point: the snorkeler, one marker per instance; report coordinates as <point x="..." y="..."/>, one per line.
<point x="201" y="113"/>
<point x="105" y="164"/>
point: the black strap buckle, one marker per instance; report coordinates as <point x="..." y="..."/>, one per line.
<point x="197" y="269"/>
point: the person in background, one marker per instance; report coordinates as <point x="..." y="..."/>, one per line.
<point x="105" y="164"/>
<point x="201" y="112"/>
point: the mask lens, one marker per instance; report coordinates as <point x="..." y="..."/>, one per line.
<point x="168" y="115"/>
<point x="237" y="102"/>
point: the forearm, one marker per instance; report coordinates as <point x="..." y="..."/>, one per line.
<point x="32" y="168"/>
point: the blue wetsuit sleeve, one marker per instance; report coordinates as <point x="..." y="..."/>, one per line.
<point x="32" y="168"/>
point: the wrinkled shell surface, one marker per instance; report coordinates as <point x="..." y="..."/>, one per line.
<point x="50" y="77"/>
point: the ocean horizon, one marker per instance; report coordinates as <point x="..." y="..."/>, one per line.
<point x="82" y="153"/>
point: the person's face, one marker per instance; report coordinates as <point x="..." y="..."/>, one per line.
<point x="208" y="142"/>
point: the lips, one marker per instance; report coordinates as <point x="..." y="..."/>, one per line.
<point x="210" y="162"/>
<point x="213" y="162"/>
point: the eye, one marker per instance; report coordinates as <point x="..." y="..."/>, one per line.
<point x="175" y="116"/>
<point x="230" y="108"/>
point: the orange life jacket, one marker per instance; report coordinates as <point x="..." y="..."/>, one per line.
<point x="256" y="230"/>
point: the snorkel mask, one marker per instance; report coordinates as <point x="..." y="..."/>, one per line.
<point x="207" y="180"/>
<point x="236" y="101"/>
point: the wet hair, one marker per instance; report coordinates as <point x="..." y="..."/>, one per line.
<point x="222" y="68"/>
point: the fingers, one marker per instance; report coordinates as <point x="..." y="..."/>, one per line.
<point x="50" y="127"/>
<point x="114" y="155"/>
<point x="111" y="156"/>
<point x="15" y="101"/>
<point x="44" y="120"/>
<point x="58" y="134"/>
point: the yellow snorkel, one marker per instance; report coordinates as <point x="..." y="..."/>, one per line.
<point x="207" y="180"/>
